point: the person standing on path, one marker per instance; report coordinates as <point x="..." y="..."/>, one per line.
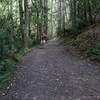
<point x="43" y="39"/>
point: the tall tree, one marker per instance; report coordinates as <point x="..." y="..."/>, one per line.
<point x="74" y="15"/>
<point x="40" y="17"/>
<point x="85" y="10"/>
<point x="45" y="16"/>
<point x="51" y="14"/>
<point x="21" y="18"/>
<point x="12" y="28"/>
<point x="90" y="12"/>
<point x="63" y="15"/>
<point x="59" y="15"/>
<point x="26" y="27"/>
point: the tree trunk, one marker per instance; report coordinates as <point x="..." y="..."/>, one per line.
<point x="26" y="27"/>
<point x="85" y="11"/>
<point x="51" y="18"/>
<point x="90" y="12"/>
<point x="45" y="16"/>
<point x="21" y="18"/>
<point x="12" y="36"/>
<point x="38" y="27"/>
<point x="40" y="17"/>
<point x="74" y="16"/>
<point x="59" y="16"/>
<point x="38" y="37"/>
<point x="64" y="9"/>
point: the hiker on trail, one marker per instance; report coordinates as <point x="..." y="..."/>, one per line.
<point x="43" y="39"/>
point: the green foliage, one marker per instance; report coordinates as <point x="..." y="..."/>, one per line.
<point x="59" y="32"/>
<point x="4" y="79"/>
<point x="67" y="31"/>
<point x="81" y="48"/>
<point x="7" y="65"/>
<point x="85" y="45"/>
<point x="68" y="27"/>
<point x="95" y="6"/>
<point x="5" y="36"/>
<point x="10" y="24"/>
<point x="4" y="82"/>
<point x="74" y="42"/>
<point x="63" y="40"/>
<point x="94" y="52"/>
<point x="80" y="23"/>
<point x="33" y="41"/>
<point x="82" y="37"/>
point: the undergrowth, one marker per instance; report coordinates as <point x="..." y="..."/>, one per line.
<point x="8" y="65"/>
<point x="87" y="45"/>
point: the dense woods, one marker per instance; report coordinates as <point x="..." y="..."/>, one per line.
<point x="77" y="14"/>
<point x="22" y="22"/>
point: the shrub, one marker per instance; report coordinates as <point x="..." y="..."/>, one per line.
<point x="94" y="52"/>
<point x="74" y="42"/>
<point x="80" y="23"/>
<point x="7" y="65"/>
<point x="81" y="48"/>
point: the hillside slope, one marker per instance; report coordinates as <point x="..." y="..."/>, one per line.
<point x="87" y="43"/>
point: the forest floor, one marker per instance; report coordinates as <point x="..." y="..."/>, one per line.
<point x="51" y="73"/>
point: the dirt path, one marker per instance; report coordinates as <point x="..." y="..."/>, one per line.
<point x="52" y="74"/>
